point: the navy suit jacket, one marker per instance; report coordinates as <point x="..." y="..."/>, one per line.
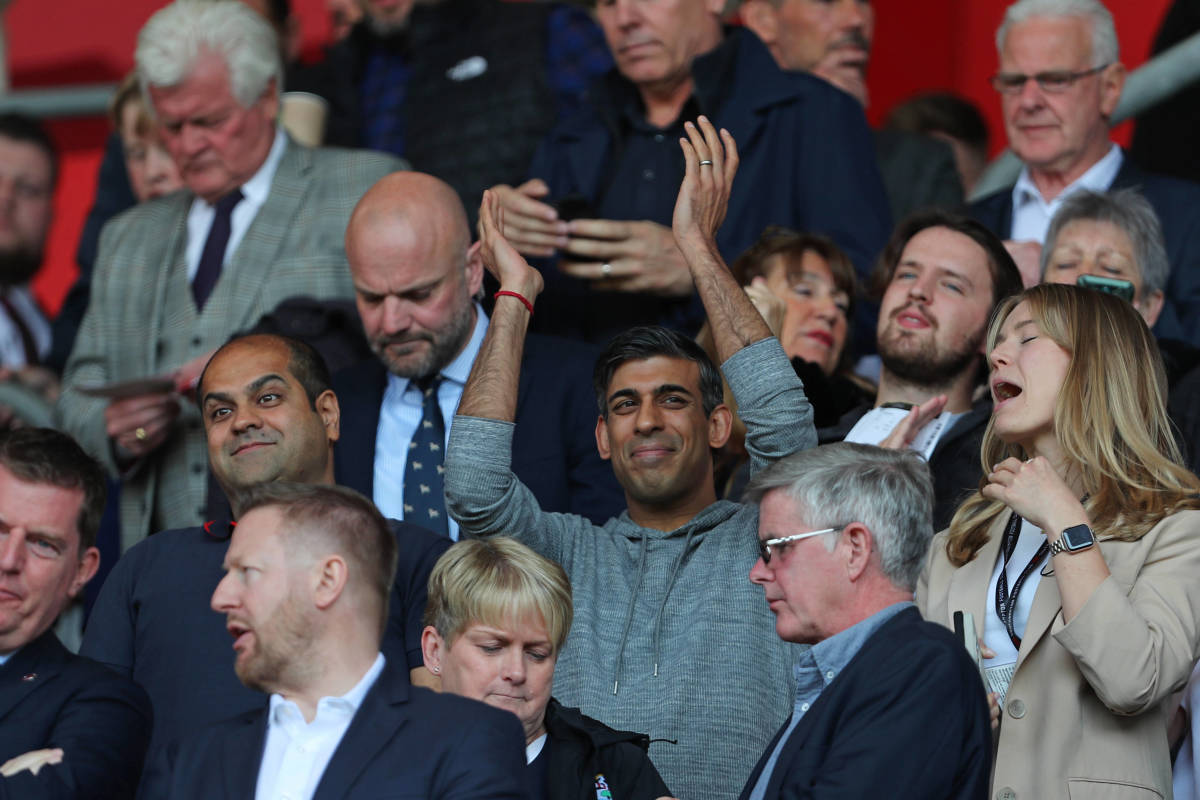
<point x="50" y="697"/>
<point x="907" y="715"/>
<point x="554" y="446"/>
<point x="1177" y="204"/>
<point x="404" y="741"/>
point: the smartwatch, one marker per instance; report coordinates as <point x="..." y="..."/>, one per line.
<point x="1072" y="540"/>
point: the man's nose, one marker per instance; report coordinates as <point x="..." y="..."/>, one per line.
<point x="397" y="315"/>
<point x="13" y="551"/>
<point x="223" y="596"/>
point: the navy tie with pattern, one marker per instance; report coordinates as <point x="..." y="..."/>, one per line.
<point x="213" y="254"/>
<point x="424" y="498"/>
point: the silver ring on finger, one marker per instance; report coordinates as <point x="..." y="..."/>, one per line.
<point x="706" y="163"/>
<point x="606" y="269"/>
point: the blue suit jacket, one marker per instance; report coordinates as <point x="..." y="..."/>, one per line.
<point x="50" y="697"/>
<point x="554" y="446"/>
<point x="404" y="741"/>
<point x="907" y="715"/>
<point x="1177" y="204"/>
<point x="807" y="162"/>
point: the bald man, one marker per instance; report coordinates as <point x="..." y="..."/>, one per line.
<point x="417" y="281"/>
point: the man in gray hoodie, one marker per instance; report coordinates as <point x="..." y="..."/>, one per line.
<point x="669" y="637"/>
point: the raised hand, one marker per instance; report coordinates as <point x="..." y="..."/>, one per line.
<point x="710" y="162"/>
<point x="499" y="257"/>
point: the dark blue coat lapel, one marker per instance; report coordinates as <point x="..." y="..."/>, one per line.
<point x="30" y="668"/>
<point x="371" y="730"/>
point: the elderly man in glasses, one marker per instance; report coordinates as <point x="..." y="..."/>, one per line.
<point x="883" y="698"/>
<point x="1059" y="81"/>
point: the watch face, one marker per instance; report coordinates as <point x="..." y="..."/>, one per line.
<point x="1078" y="537"/>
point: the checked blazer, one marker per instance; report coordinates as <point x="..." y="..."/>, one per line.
<point x="142" y="322"/>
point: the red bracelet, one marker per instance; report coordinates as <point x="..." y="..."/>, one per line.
<point x="528" y="304"/>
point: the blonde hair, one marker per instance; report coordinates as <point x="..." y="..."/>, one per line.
<point x="496" y="581"/>
<point x="1110" y="420"/>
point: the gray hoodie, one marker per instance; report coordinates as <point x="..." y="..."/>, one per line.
<point x="670" y="637"/>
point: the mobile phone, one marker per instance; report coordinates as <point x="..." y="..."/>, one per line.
<point x="575" y="206"/>
<point x="1113" y="286"/>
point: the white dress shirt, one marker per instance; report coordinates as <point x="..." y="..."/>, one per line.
<point x="995" y="635"/>
<point x="401" y="413"/>
<point x="12" y="344"/>
<point x="254" y="194"/>
<point x="1031" y="213"/>
<point x="297" y="752"/>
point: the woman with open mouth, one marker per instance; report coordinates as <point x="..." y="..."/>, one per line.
<point x="1078" y="557"/>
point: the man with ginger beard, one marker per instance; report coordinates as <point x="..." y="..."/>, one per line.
<point x="940" y="277"/>
<point x="305" y="596"/>
<point x="416" y="275"/>
<point x="269" y="415"/>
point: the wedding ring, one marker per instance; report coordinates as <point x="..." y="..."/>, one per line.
<point x="706" y="163"/>
<point x="606" y="269"/>
<point x="140" y="434"/>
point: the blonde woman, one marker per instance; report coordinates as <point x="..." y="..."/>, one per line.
<point x="1079" y="557"/>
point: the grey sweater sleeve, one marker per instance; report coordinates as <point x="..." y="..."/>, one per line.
<point x="486" y="499"/>
<point x="771" y="402"/>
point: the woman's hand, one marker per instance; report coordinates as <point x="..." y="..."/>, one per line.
<point x="710" y="162"/>
<point x="770" y="306"/>
<point x="1035" y="491"/>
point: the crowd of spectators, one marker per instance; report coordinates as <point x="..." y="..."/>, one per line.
<point x="622" y="389"/>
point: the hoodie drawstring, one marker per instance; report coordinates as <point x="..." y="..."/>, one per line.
<point x="687" y="543"/>
<point x="637" y="586"/>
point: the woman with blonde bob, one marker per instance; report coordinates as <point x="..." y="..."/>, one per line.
<point x="497" y="616"/>
<point x="1079" y="557"/>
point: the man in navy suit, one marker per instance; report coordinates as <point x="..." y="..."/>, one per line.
<point x="415" y="275"/>
<point x="305" y="597"/>
<point x="1059" y="81"/>
<point x="269" y="415"/>
<point x="883" y="698"/>
<point x="69" y="727"/>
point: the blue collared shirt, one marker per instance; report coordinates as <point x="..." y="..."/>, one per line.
<point x="815" y="669"/>
<point x="400" y="414"/>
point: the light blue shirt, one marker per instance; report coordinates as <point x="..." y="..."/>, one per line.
<point x="400" y="414"/>
<point x="815" y="669"/>
<point x="1032" y="213"/>
<point x="4" y="657"/>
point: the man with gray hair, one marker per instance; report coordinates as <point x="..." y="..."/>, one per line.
<point x="883" y="698"/>
<point x="261" y="221"/>
<point x="1059" y="80"/>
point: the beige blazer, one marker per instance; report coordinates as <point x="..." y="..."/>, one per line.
<point x="1085" y="715"/>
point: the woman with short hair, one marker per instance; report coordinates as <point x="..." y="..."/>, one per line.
<point x="497" y="616"/>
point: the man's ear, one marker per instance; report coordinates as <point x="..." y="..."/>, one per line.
<point x="330" y="576"/>
<point x="602" y="438"/>
<point x="859" y="544"/>
<point x="331" y="414"/>
<point x="720" y="425"/>
<point x="89" y="562"/>
<point x="474" y="269"/>
<point x="760" y="17"/>
<point x="1112" y="82"/>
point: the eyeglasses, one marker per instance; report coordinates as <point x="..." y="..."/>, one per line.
<point x="765" y="545"/>
<point x="1054" y="81"/>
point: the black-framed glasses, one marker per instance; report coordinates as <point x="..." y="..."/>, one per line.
<point x="765" y="545"/>
<point x="1053" y="81"/>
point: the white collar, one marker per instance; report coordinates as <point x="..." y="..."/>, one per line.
<point x="259" y="186"/>
<point x="1098" y="178"/>
<point x="350" y="701"/>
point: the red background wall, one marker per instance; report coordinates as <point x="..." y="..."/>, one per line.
<point x="920" y="44"/>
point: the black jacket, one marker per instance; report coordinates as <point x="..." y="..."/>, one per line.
<point x="584" y="751"/>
